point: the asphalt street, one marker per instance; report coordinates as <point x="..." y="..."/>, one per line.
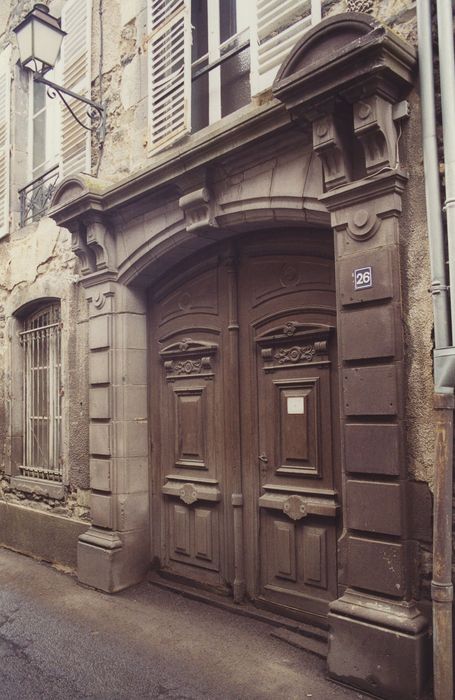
<point x="61" y="640"/>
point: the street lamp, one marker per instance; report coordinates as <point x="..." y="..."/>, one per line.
<point x="39" y="38"/>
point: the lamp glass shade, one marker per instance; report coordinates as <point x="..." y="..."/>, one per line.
<point x="39" y="39"/>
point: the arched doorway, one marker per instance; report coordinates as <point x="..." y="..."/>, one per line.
<point x="243" y="401"/>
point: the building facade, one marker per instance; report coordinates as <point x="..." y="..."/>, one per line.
<point x="216" y="331"/>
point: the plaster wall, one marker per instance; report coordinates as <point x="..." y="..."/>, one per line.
<point x="36" y="263"/>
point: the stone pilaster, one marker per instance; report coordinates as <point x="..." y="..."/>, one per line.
<point x="114" y="553"/>
<point x="376" y="611"/>
<point x="353" y="98"/>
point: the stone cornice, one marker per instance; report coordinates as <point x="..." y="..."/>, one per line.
<point x="76" y="196"/>
<point x="390" y="182"/>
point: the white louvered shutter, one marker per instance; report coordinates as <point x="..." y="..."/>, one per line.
<point x="169" y="71"/>
<point x="75" y="75"/>
<point x="277" y="27"/>
<point x="5" y="140"/>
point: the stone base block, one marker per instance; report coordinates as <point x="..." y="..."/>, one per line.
<point x="51" y="538"/>
<point x="112" y="561"/>
<point x="384" y="662"/>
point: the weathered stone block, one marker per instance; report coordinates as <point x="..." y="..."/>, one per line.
<point x="130" y="367"/>
<point x="101" y="510"/>
<point x="99" y="367"/>
<point x="131" y="438"/>
<point x="131" y="474"/>
<point x="374" y="507"/>
<point x="100" y="474"/>
<point x="370" y="391"/>
<point x="132" y="511"/>
<point x="99" y="402"/>
<point x="384" y="662"/>
<point x="376" y="566"/>
<point x="368" y="333"/>
<point x="99" y="332"/>
<point x="131" y="402"/>
<point x="100" y="439"/>
<point x="372" y="448"/>
<point x="131" y="331"/>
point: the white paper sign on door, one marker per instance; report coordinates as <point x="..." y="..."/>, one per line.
<point x="296" y="405"/>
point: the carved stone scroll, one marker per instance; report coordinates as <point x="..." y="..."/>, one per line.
<point x="197" y="207"/>
<point x="101" y="242"/>
<point x="374" y="126"/>
<point x="329" y="144"/>
<point x="81" y="249"/>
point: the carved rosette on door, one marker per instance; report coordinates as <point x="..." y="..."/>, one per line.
<point x="298" y="505"/>
<point x="191" y="485"/>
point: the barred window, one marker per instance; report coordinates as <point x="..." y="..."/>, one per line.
<point x="41" y="340"/>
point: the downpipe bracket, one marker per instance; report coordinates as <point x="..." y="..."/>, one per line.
<point x="444" y="370"/>
<point x="442" y="592"/>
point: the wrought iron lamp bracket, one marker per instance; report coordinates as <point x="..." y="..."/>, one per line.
<point x="95" y="111"/>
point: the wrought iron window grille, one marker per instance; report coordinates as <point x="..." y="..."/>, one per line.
<point x="36" y="196"/>
<point x="43" y="391"/>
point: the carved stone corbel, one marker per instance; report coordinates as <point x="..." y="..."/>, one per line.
<point x="329" y="144"/>
<point x="101" y="241"/>
<point x="375" y="128"/>
<point x="197" y="207"/>
<point x="80" y="248"/>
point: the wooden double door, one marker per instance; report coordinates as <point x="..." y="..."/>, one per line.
<point x="243" y="401"/>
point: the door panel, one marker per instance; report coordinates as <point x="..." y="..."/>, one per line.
<point x="298" y="505"/>
<point x="187" y="433"/>
<point x="287" y="356"/>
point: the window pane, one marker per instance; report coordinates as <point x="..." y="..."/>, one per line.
<point x="39" y="144"/>
<point x="200" y="33"/>
<point x="39" y="97"/>
<point x="228" y="19"/>
<point x="235" y="82"/>
<point x="200" y="102"/>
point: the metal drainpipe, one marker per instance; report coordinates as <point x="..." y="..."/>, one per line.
<point x="439" y="292"/>
<point x="441" y="586"/>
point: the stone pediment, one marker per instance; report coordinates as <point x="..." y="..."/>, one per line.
<point x="75" y="195"/>
<point x="348" y="55"/>
<point x="73" y="187"/>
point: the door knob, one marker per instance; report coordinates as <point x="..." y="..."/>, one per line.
<point x="263" y="458"/>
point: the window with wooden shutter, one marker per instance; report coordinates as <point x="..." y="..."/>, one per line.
<point x="278" y="25"/>
<point x="5" y="84"/>
<point x="75" y="75"/>
<point x="169" y="70"/>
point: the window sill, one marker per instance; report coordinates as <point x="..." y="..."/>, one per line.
<point x="40" y="487"/>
